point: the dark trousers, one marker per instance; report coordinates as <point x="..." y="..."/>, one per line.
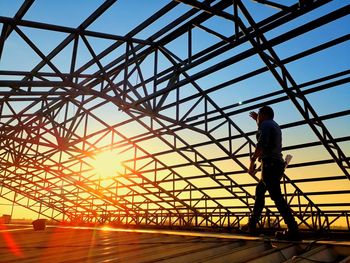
<point x="271" y="174"/>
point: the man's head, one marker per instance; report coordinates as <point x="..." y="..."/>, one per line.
<point x="265" y="113"/>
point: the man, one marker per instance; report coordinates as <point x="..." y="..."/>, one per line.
<point x="268" y="152"/>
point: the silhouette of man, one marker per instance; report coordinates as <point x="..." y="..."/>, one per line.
<point x="269" y="153"/>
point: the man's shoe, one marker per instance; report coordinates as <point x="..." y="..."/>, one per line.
<point x="290" y="235"/>
<point x="249" y="229"/>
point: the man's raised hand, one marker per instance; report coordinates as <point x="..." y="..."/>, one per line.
<point x="253" y="115"/>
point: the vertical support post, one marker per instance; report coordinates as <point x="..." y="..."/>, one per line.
<point x="126" y="66"/>
<point x="189" y="44"/>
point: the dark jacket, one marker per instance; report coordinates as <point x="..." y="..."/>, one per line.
<point x="269" y="138"/>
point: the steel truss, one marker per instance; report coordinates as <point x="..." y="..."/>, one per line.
<point x="47" y="145"/>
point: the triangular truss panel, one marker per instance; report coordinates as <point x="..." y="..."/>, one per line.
<point x="165" y="87"/>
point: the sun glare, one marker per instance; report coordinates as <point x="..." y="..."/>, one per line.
<point x="107" y="164"/>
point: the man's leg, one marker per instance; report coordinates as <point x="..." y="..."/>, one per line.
<point x="293" y="232"/>
<point x="258" y="205"/>
<point x="283" y="207"/>
<point x="272" y="181"/>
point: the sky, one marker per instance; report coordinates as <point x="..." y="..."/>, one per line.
<point x="123" y="16"/>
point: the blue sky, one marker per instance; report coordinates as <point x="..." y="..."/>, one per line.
<point x="125" y="15"/>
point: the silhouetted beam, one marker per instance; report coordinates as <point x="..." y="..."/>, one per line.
<point x="42" y="74"/>
<point x="17" y="84"/>
<point x="22" y="93"/>
<point x="64" y="29"/>
<point x="271" y="4"/>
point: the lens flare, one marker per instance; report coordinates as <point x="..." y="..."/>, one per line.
<point x="9" y="241"/>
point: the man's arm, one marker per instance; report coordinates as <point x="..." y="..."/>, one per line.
<point x="257" y="152"/>
<point x="256" y="155"/>
<point x="263" y="141"/>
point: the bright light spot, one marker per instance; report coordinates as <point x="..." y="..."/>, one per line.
<point x="240" y="102"/>
<point x="107" y="164"/>
<point x="106" y="228"/>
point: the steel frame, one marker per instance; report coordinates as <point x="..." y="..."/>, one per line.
<point x="47" y="145"/>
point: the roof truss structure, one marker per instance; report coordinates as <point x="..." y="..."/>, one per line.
<point x="161" y="104"/>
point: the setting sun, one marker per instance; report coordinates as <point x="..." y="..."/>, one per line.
<point x="106" y="164"/>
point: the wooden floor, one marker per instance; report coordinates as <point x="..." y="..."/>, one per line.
<point x="58" y="244"/>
